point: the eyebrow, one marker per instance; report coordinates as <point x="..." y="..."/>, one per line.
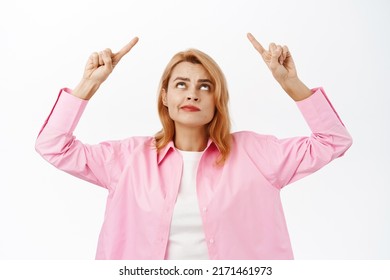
<point x="188" y="80"/>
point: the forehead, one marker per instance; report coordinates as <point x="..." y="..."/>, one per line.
<point x="190" y="70"/>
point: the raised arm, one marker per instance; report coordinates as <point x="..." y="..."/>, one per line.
<point x="293" y="158"/>
<point x="99" y="66"/>
<point x="56" y="142"/>
<point x="280" y="62"/>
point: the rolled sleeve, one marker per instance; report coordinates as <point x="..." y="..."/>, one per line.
<point x="318" y="111"/>
<point x="66" y="105"/>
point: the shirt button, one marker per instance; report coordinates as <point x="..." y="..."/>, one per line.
<point x="211" y="241"/>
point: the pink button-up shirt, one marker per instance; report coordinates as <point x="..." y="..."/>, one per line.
<point x="239" y="202"/>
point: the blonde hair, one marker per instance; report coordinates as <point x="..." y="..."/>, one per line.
<point x="219" y="127"/>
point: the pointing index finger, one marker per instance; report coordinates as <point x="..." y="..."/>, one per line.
<point x="118" y="56"/>
<point x="255" y="43"/>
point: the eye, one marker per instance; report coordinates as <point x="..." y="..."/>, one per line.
<point x="181" y="85"/>
<point x="205" y="87"/>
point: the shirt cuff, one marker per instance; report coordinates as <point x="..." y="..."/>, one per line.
<point x="66" y="112"/>
<point x="318" y="111"/>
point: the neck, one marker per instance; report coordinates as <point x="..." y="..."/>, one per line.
<point x="191" y="139"/>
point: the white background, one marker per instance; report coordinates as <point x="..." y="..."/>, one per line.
<point x="340" y="212"/>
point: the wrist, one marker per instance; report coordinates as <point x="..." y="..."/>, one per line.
<point x="296" y="89"/>
<point x="85" y="89"/>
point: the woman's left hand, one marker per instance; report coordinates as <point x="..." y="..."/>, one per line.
<point x="278" y="59"/>
<point x="282" y="66"/>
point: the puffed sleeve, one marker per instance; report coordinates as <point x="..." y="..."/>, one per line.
<point x="57" y="144"/>
<point x="293" y="158"/>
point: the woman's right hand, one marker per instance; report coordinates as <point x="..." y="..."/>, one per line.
<point x="99" y="66"/>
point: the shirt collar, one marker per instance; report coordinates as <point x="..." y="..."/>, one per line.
<point x="170" y="146"/>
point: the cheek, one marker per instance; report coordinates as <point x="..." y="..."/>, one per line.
<point x="172" y="104"/>
<point x="212" y="104"/>
<point x="172" y="97"/>
<point x="212" y="109"/>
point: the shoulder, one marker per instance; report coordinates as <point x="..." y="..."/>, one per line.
<point x="137" y="141"/>
<point x="249" y="136"/>
<point x="131" y="144"/>
<point x="249" y="140"/>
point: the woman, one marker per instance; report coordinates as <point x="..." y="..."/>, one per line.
<point x="194" y="190"/>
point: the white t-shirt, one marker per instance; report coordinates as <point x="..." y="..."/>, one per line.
<point x="186" y="237"/>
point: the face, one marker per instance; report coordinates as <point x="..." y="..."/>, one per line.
<point x="189" y="96"/>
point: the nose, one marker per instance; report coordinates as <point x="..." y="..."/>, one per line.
<point x="192" y="98"/>
<point x="191" y="95"/>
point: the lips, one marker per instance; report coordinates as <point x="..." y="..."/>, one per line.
<point x="190" y="108"/>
